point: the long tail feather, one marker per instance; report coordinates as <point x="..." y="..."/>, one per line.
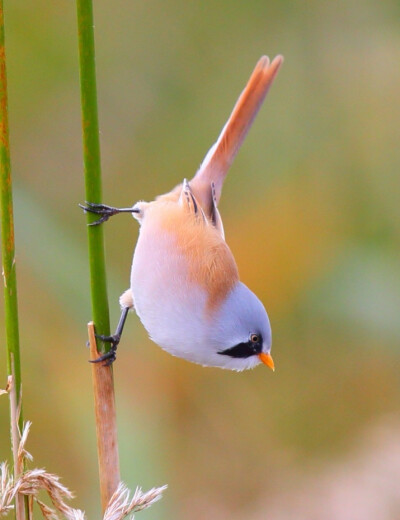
<point x="221" y="155"/>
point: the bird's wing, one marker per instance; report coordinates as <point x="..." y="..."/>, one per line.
<point x="189" y="202"/>
<point x="220" y="156"/>
<point x="215" y="215"/>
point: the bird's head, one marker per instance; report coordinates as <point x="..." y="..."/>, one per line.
<point x="241" y="331"/>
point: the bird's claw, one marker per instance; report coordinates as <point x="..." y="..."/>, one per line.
<point x="110" y="356"/>
<point x="104" y="211"/>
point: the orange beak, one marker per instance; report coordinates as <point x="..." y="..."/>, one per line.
<point x="267" y="360"/>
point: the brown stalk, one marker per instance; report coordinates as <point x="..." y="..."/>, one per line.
<point x="106" y="425"/>
<point x="15" y="441"/>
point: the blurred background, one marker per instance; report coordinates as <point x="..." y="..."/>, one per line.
<point x="311" y="212"/>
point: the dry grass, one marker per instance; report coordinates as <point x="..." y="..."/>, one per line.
<point x="33" y="481"/>
<point x="122" y="505"/>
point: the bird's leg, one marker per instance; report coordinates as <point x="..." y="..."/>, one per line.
<point x="104" y="211"/>
<point x="110" y="356"/>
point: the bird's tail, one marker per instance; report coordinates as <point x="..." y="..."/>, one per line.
<point x="220" y="156"/>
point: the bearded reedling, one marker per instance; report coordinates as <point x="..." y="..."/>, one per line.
<point x="185" y="285"/>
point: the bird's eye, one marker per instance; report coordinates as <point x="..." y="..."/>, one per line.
<point x="254" y="338"/>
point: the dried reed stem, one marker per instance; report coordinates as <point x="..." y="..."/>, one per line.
<point x="106" y="426"/>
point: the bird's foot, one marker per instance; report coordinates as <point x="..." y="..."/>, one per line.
<point x="104" y="211"/>
<point x="110" y="356"/>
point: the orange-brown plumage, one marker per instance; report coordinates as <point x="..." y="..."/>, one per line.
<point x="210" y="262"/>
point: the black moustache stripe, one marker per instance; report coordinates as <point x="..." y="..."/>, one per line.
<point x="242" y="350"/>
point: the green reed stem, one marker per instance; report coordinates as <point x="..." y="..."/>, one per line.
<point x="103" y="387"/>
<point x="91" y="153"/>
<point x="7" y="230"/>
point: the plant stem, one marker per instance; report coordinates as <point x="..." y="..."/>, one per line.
<point x="15" y="440"/>
<point x="91" y="155"/>
<point x="107" y="447"/>
<point x="106" y="429"/>
<point x="9" y="272"/>
<point x="7" y="230"/>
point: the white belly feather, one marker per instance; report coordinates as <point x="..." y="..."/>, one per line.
<point x="170" y="307"/>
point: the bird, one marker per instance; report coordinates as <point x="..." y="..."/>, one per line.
<point x="184" y="282"/>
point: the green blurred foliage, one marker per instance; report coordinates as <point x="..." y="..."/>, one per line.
<point x="311" y="213"/>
